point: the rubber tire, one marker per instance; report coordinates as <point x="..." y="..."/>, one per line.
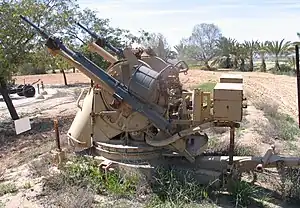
<point x="20" y="90"/>
<point x="28" y="91"/>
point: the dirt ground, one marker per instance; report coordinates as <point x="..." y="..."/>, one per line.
<point x="60" y="103"/>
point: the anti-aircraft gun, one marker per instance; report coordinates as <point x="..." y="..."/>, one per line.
<point x="128" y="122"/>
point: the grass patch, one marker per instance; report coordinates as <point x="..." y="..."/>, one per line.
<point x="290" y="186"/>
<point x="281" y="126"/>
<point x="172" y="187"/>
<point x="6" y="188"/>
<point x="291" y="146"/>
<point x="284" y="70"/>
<point x="286" y="185"/>
<point x="286" y="126"/>
<point x="83" y="172"/>
<point x="81" y="179"/>
<point x="80" y="183"/>
<point x="287" y="73"/>
<point x="243" y="193"/>
<point x="207" y="87"/>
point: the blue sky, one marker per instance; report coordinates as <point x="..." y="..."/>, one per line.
<point x="242" y="20"/>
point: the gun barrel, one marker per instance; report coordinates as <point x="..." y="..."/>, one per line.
<point x="99" y="50"/>
<point x="35" y="27"/>
<point x="114" y="49"/>
<point x="94" y="35"/>
<point x="102" y="40"/>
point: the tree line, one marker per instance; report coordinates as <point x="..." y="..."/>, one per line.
<point x="208" y="46"/>
<point x="23" y="52"/>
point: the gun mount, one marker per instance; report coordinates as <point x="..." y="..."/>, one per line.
<point x="131" y="116"/>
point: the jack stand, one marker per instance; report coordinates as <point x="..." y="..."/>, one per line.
<point x="231" y="145"/>
<point x="230" y="170"/>
<point x="39" y="95"/>
<point x="43" y="92"/>
<point x="59" y="155"/>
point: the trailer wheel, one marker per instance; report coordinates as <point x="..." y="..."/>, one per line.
<point x="29" y="91"/>
<point x="20" y="90"/>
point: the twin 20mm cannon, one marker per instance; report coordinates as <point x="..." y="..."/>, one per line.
<point x="137" y="114"/>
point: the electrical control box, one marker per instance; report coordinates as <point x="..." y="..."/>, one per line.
<point x="231" y="78"/>
<point x="228" y="102"/>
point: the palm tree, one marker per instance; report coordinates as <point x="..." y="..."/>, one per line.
<point x="297" y="42"/>
<point x="236" y="49"/>
<point x="242" y="54"/>
<point x="250" y="47"/>
<point x="278" y="49"/>
<point x="225" y="51"/>
<point x="262" y="49"/>
<point x="180" y="50"/>
<point x="292" y="62"/>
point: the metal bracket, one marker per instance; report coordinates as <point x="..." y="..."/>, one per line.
<point x="266" y="158"/>
<point x="106" y="165"/>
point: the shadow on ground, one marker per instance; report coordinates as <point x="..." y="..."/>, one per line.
<point x="13" y="98"/>
<point x="41" y="131"/>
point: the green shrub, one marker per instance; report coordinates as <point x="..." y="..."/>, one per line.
<point x="29" y="69"/>
<point x="86" y="173"/>
<point x="284" y="126"/>
<point x="284" y="70"/>
<point x="281" y="126"/>
<point x="176" y="187"/>
<point x="223" y="63"/>
<point x="290" y="186"/>
<point x="6" y="188"/>
<point x="243" y="193"/>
